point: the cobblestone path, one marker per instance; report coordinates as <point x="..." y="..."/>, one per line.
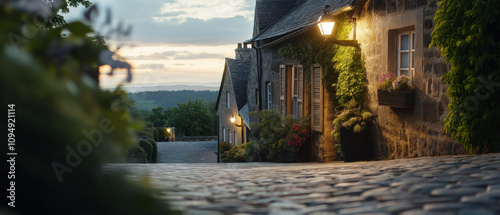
<point x="187" y="152"/>
<point x="460" y="185"/>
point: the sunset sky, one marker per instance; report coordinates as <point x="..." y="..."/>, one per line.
<point x="175" y="41"/>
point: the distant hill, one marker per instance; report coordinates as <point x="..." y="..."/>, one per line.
<point x="166" y="99"/>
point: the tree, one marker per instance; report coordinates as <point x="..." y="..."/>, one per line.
<point x="65" y="126"/>
<point x="467" y="34"/>
<point x="192" y="118"/>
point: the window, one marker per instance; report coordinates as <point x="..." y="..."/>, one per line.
<point x="230" y="136"/>
<point x="317" y="98"/>
<point x="406" y="54"/>
<point x="228" y="100"/>
<point x="291" y="90"/>
<point x="235" y="138"/>
<point x="269" y="96"/>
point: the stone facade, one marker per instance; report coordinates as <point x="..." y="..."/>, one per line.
<point x="417" y="131"/>
<point x="234" y="87"/>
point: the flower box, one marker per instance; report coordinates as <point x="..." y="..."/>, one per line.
<point x="399" y="99"/>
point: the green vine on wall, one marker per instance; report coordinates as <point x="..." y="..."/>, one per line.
<point x="467" y="34"/>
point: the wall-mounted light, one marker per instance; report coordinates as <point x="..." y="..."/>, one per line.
<point x="233" y="120"/>
<point x="327" y="23"/>
<point x="169" y="130"/>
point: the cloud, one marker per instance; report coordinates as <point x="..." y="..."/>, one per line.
<point x="193" y="22"/>
<point x="176" y="55"/>
<point x="181" y="10"/>
<point x="155" y="66"/>
<point x="191" y="56"/>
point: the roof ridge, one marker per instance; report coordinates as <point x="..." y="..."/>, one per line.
<point x="276" y="20"/>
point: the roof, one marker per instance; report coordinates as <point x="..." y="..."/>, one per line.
<point x="303" y="15"/>
<point x="268" y="11"/>
<point x="238" y="71"/>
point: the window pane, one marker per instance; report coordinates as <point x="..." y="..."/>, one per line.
<point x="404" y="72"/>
<point x="412" y="59"/>
<point x="405" y="42"/>
<point x="413" y="41"/>
<point x="404" y="60"/>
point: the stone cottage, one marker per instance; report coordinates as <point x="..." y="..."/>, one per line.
<point x="393" y="36"/>
<point x="232" y="102"/>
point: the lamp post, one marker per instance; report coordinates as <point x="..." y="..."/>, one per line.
<point x="327" y="24"/>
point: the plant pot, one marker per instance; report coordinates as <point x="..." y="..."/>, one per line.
<point x="290" y="156"/>
<point x="400" y="99"/>
<point x="356" y="146"/>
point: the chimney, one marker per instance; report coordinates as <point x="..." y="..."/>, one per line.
<point x="243" y="53"/>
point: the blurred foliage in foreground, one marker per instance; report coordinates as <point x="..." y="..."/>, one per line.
<point x="66" y="127"/>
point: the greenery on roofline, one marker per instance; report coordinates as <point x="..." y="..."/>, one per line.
<point x="467" y="34"/>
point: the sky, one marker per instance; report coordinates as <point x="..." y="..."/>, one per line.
<point x="173" y="41"/>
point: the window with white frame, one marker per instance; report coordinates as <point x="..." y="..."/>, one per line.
<point x="269" y="96"/>
<point x="230" y="136"/>
<point x="223" y="134"/>
<point x="406" y="54"/>
<point x="235" y="138"/>
<point x="228" y="100"/>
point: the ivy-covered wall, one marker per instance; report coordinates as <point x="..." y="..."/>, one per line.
<point x="416" y="131"/>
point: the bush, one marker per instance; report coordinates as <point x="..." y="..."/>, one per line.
<point x="148" y="148"/>
<point x="48" y="78"/>
<point x="154" y="151"/>
<point x="163" y="135"/>
<point x="139" y="154"/>
<point x="224" y="146"/>
<point x="236" y="154"/>
<point x="467" y="34"/>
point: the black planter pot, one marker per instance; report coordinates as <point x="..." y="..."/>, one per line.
<point x="356" y="146"/>
<point x="400" y="99"/>
<point x="290" y="156"/>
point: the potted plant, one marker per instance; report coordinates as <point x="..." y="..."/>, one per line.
<point x="395" y="91"/>
<point x="351" y="131"/>
<point x="295" y="141"/>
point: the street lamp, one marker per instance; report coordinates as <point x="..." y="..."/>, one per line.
<point x="233" y="120"/>
<point x="327" y="23"/>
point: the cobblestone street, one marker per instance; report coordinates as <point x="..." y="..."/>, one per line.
<point x="433" y="185"/>
<point x="187" y="152"/>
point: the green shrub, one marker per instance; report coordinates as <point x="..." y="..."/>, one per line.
<point x="224" y="146"/>
<point x="467" y="34"/>
<point x="154" y="151"/>
<point x="236" y="154"/>
<point x="48" y="77"/>
<point x="148" y="148"/>
<point x="139" y="154"/>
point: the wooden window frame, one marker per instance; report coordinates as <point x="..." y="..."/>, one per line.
<point x="411" y="53"/>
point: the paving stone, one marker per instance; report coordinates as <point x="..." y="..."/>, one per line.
<point x="461" y="191"/>
<point x="480" y="211"/>
<point x="396" y="206"/>
<point x="430" y="185"/>
<point x="444" y="206"/>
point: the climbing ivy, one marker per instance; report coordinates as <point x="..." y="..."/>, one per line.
<point x="311" y="49"/>
<point x="467" y="34"/>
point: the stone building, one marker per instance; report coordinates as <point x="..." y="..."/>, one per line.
<point x="231" y="105"/>
<point x="382" y="25"/>
<point x="281" y="84"/>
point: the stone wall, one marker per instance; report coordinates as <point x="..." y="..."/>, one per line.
<point x="323" y="147"/>
<point x="417" y="131"/>
<point x="225" y="113"/>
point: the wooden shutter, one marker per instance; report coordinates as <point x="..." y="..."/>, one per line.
<point x="300" y="94"/>
<point x="317" y="98"/>
<point x="282" y="90"/>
